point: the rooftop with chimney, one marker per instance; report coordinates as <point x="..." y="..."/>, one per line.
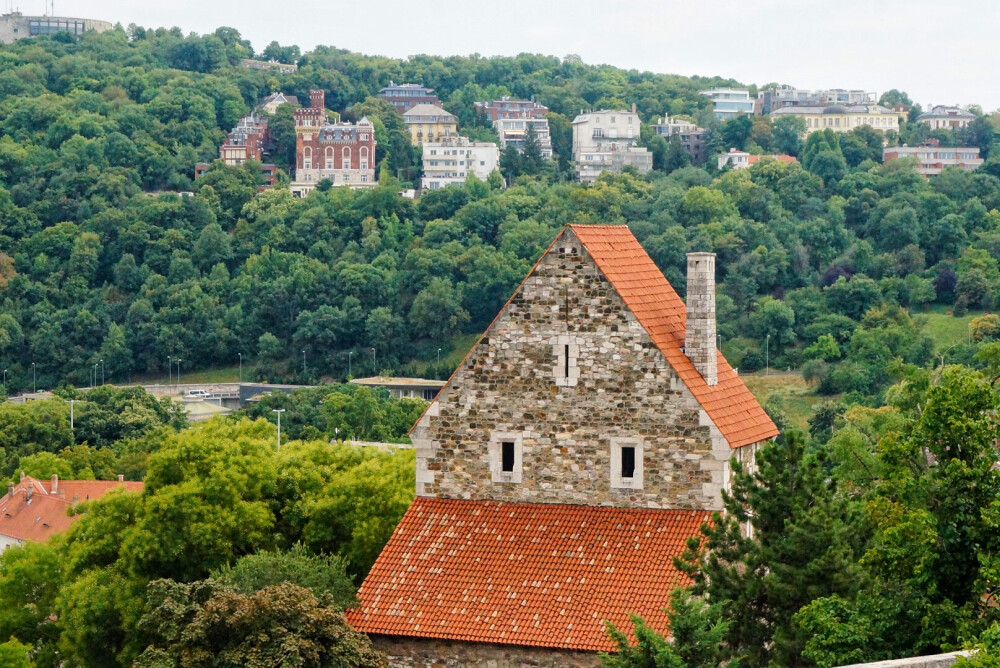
<point x="35" y="510"/>
<point x="583" y="439"/>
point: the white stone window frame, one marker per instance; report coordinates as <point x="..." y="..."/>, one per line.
<point x="617" y="481"/>
<point x="497" y="474"/>
<point x="560" y="346"/>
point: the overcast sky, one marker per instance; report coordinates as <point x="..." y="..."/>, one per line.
<point x="939" y="52"/>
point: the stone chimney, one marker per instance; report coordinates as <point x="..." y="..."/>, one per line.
<point x="55" y="484"/>
<point x="699" y="337"/>
<point x="121" y="478"/>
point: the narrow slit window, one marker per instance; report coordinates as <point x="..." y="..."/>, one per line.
<point x="507" y="456"/>
<point x="566" y="361"/>
<point x="628" y="462"/>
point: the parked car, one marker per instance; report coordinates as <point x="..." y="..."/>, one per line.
<point x="198" y="394"/>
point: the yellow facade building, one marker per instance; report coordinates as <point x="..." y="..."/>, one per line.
<point x="430" y="123"/>
<point x="843" y="118"/>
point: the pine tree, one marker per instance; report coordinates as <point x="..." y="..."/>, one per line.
<point x="801" y="548"/>
<point x="531" y="152"/>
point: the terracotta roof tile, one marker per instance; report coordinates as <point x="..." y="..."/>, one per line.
<point x="545" y="575"/>
<point x="661" y="312"/>
<point x="45" y="513"/>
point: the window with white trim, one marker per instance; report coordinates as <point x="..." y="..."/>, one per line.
<point x="505" y="457"/>
<point x="626" y="463"/>
<point x="566" y="351"/>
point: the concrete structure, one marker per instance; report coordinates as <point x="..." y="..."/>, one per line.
<point x="344" y="153"/>
<point x="272" y="65"/>
<point x="429" y="123"/>
<point x="35" y="510"/>
<point x="406" y="96"/>
<point x="512" y="118"/>
<point x="414" y="388"/>
<point x="730" y="102"/>
<point x="932" y="160"/>
<point x="742" y="160"/>
<point x="607" y="140"/>
<point x="15" y="26"/>
<point x="271" y="103"/>
<point x="842" y="118"/>
<point x="577" y="447"/>
<point x="946" y="118"/>
<point x="451" y="160"/>
<point x="691" y="137"/>
<point x="932" y="661"/>
<point x="788" y="96"/>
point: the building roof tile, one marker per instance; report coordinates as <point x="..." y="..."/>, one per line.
<point x="544" y="575"/>
<point x="661" y="312"/>
<point x="44" y="513"/>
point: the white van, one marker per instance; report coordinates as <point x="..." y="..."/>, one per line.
<point x="198" y="394"/>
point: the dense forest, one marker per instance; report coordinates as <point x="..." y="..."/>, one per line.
<point x="100" y="263"/>
<point x="877" y="532"/>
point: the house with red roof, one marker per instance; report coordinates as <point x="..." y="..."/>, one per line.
<point x="33" y="511"/>
<point x="582" y="441"/>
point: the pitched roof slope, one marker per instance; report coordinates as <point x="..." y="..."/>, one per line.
<point x="544" y="575"/>
<point x="43" y="513"/>
<point x="661" y="312"/>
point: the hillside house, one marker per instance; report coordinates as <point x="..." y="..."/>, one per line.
<point x="582" y="441"/>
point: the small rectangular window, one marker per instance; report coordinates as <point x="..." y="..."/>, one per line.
<point x="628" y="461"/>
<point x="507" y="455"/>
<point x="566" y="361"/>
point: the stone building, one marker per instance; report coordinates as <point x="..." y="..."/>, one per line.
<point x="429" y="123"/>
<point x="583" y="439"/>
<point x="946" y="118"/>
<point x="840" y="118"/>
<point x="250" y="139"/>
<point x="344" y="153"/>
<point x="692" y="138"/>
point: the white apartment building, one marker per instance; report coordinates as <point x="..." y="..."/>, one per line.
<point x="451" y="160"/>
<point x="931" y="160"/>
<point x="513" y="130"/>
<point x="729" y="102"/>
<point x="607" y="140"/>
<point x="843" y="119"/>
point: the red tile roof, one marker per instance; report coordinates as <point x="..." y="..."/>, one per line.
<point x="661" y="312"/>
<point x="544" y="575"/>
<point x="44" y="513"/>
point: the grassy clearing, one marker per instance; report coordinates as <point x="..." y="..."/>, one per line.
<point x="459" y="347"/>
<point x="217" y="375"/>
<point x="789" y="391"/>
<point x="946" y="330"/>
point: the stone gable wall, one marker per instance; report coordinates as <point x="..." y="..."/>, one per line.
<point x="421" y="653"/>
<point x="619" y="386"/>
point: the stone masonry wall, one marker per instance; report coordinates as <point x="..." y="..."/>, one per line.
<point x="619" y="386"/>
<point x="421" y="653"/>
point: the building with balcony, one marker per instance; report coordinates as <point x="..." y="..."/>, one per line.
<point x="15" y="26"/>
<point x="406" y="96"/>
<point x="730" y="102"/>
<point x="946" y="118"/>
<point x="512" y="118"/>
<point x="450" y="160"/>
<point x="691" y="137"/>
<point x="788" y="96"/>
<point x="430" y="123"/>
<point x="343" y="153"/>
<point x="607" y="140"/>
<point x="843" y="119"/>
<point x="932" y="160"/>
<point x="250" y="139"/>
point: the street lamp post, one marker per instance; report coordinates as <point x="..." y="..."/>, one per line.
<point x="720" y="341"/>
<point x="34" y="380"/>
<point x="102" y="372"/>
<point x="374" y="363"/>
<point x="303" y="364"/>
<point x="349" y="353"/>
<point x="439" y="357"/>
<point x="241" y="366"/>
<point x="767" y="355"/>
<point x="71" y="402"/>
<point x="93" y="374"/>
<point x="279" y="411"/>
<point x="170" y="369"/>
<point x="5" y="381"/>
<point x="178" y="371"/>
